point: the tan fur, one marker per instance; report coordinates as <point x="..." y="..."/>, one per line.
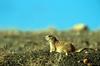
<point x="59" y="46"/>
<point x="80" y="27"/>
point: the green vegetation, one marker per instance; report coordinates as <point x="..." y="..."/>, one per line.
<point x="19" y="48"/>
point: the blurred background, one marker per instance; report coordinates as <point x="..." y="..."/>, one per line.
<point x="41" y="14"/>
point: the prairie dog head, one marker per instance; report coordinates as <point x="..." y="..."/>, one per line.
<point x="50" y="38"/>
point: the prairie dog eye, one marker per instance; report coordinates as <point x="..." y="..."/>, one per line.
<point x="47" y="37"/>
<point x="50" y="36"/>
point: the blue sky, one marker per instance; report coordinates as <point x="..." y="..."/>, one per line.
<point x="40" y="14"/>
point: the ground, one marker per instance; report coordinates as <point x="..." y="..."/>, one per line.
<point x="19" y="48"/>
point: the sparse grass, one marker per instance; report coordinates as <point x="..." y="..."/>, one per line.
<point x="31" y="49"/>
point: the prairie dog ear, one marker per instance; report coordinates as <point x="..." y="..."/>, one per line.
<point x="56" y="37"/>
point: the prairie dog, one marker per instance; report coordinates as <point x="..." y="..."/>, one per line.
<point x="59" y="46"/>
